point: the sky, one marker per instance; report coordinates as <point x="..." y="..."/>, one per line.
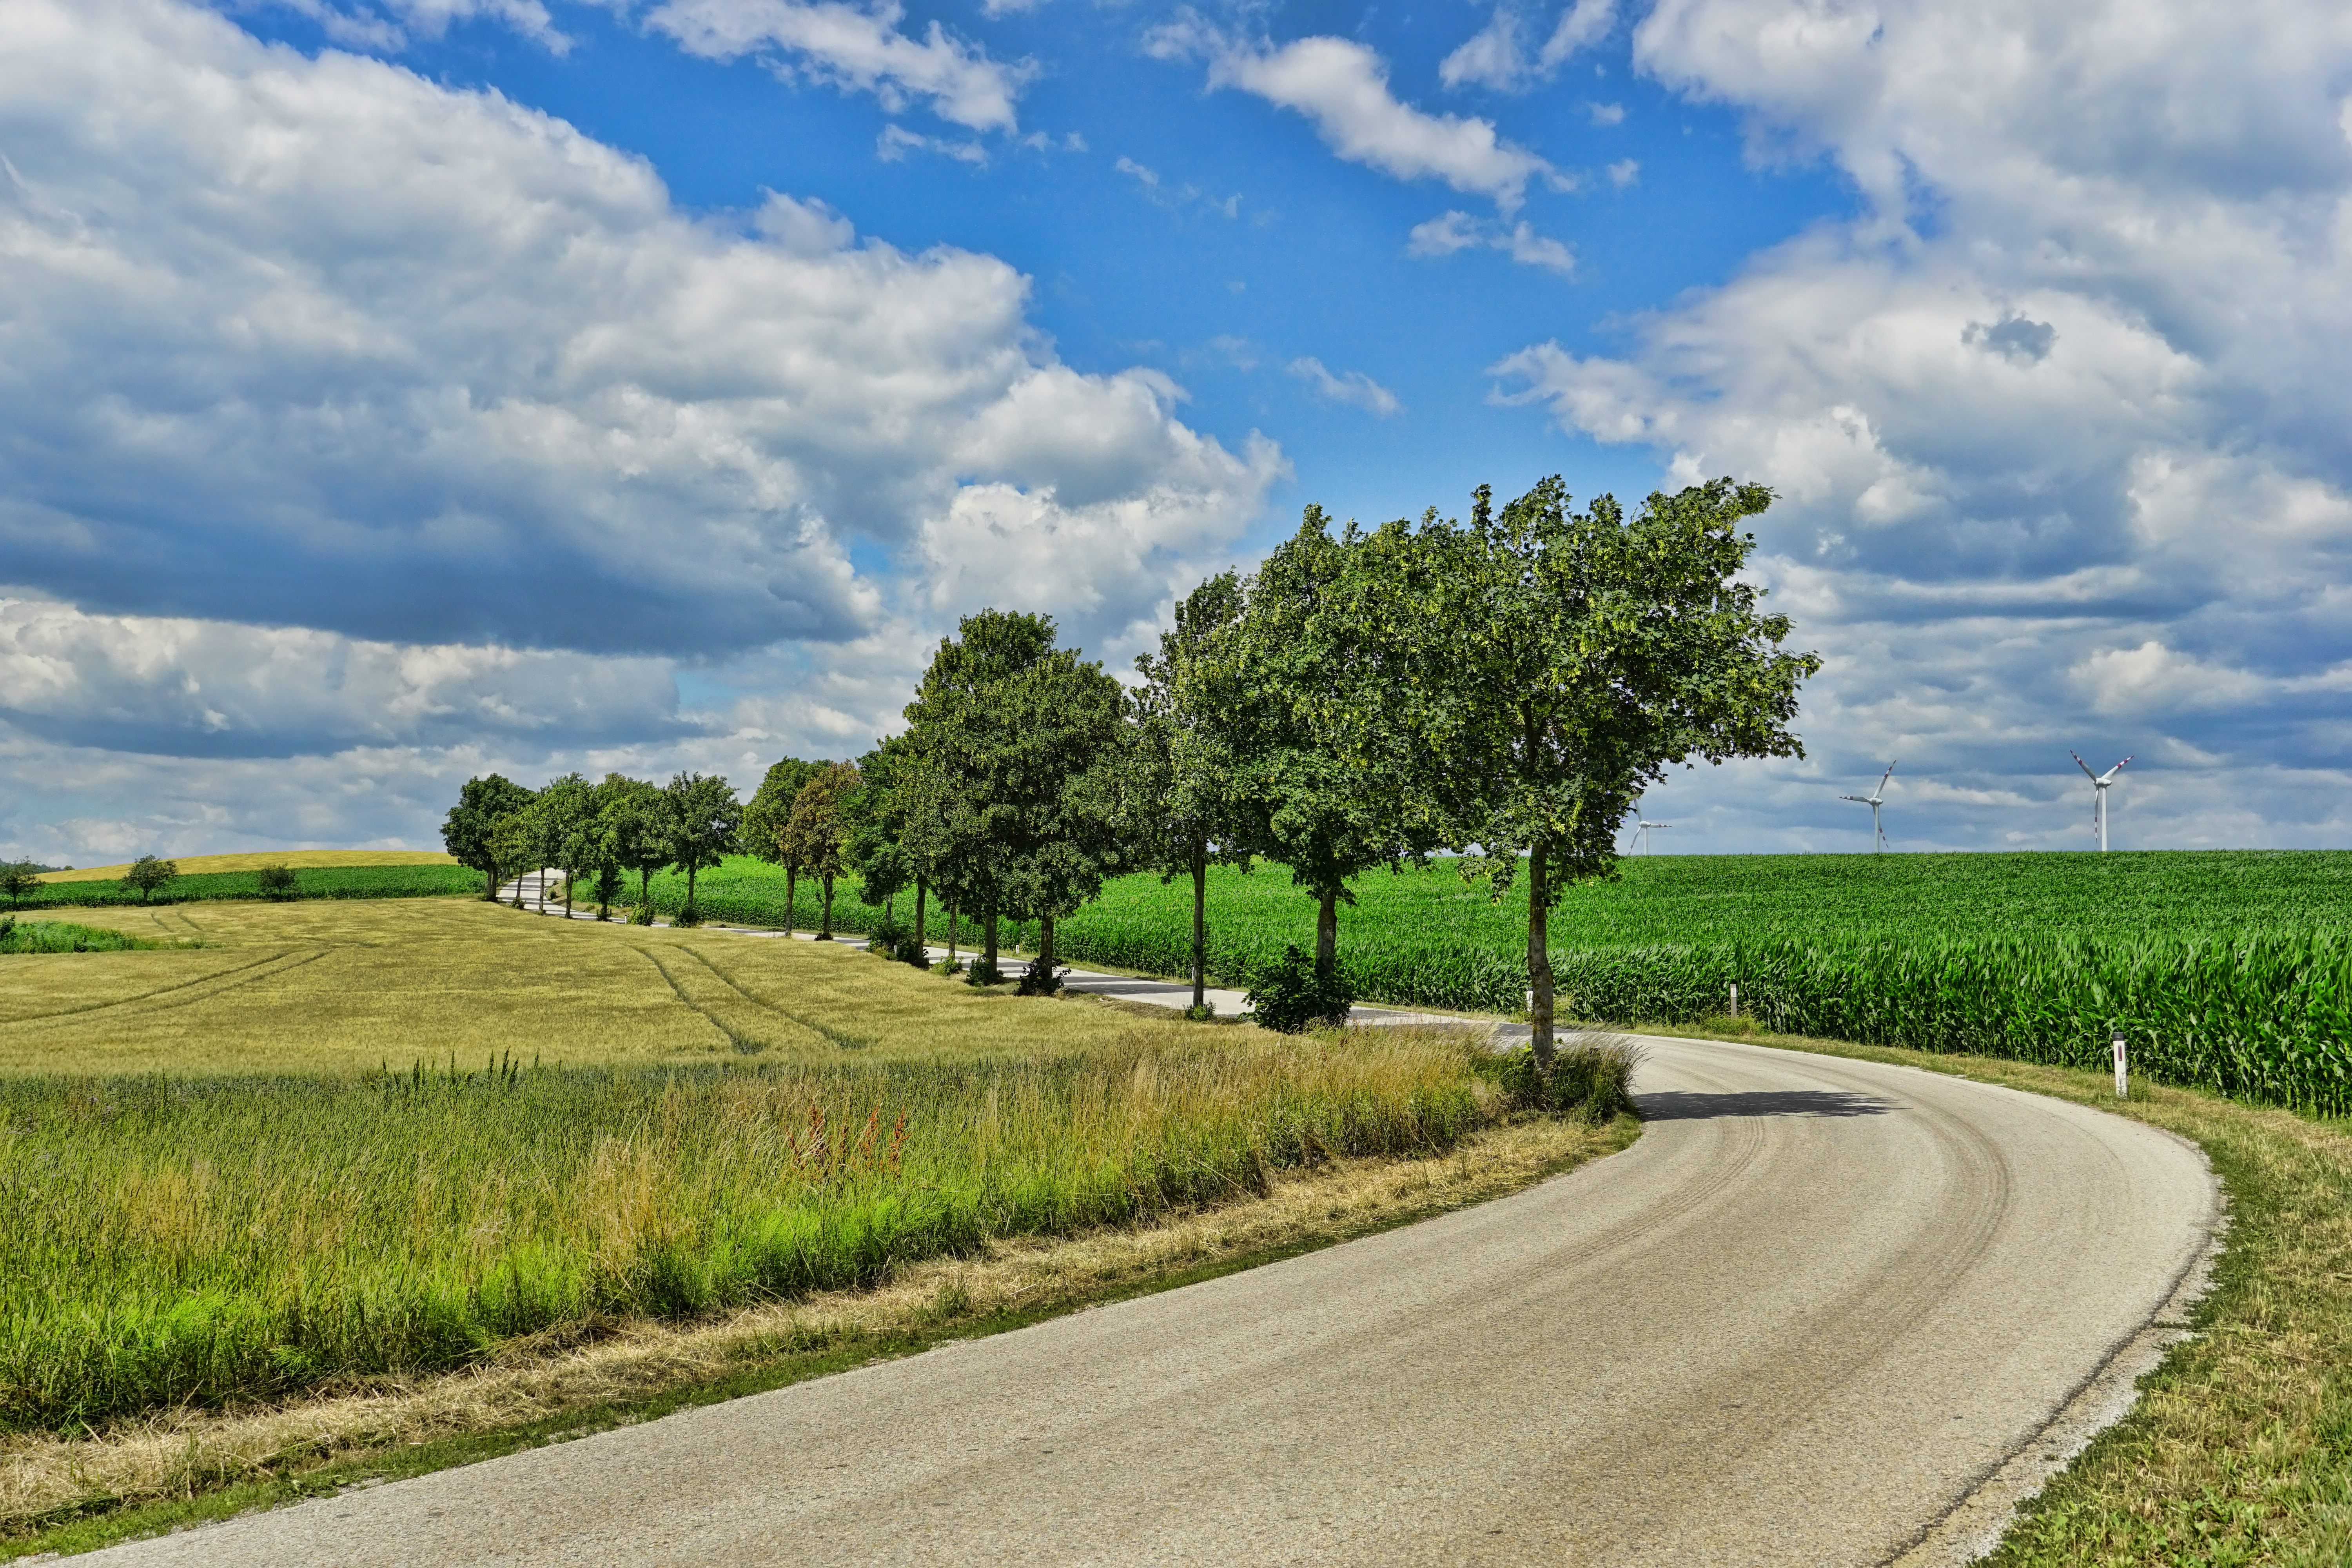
<point x="394" y="390"/>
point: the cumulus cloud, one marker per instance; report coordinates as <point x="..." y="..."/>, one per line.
<point x="2057" y="420"/>
<point x="1354" y="388"/>
<point x="317" y="343"/>
<point x="196" y="687"/>
<point x="860" y="48"/>
<point x="1343" y="87"/>
<point x="395" y="24"/>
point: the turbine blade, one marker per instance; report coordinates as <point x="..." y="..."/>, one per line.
<point x="1884" y="776"/>
<point x="2085" y="766"/>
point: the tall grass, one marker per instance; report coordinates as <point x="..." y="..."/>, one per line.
<point x="56" y="936"/>
<point x="167" y="1241"/>
<point x="311" y="882"/>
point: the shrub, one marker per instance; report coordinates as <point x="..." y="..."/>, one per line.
<point x="948" y="966"/>
<point x="148" y="873"/>
<point x="1041" y="980"/>
<point x="641" y="915"/>
<point x="1591" y="1077"/>
<point x="689" y="916"/>
<point x="278" y="883"/>
<point x="1288" y="996"/>
<point x="1204" y="1012"/>
<point x="984" y="972"/>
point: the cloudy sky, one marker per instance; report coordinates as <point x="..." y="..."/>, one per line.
<point x="394" y="390"/>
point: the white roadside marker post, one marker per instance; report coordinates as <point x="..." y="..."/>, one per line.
<point x="2122" y="1080"/>
<point x="1735" y="999"/>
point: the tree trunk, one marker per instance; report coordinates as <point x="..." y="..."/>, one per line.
<point x="824" y="929"/>
<point x="792" y="893"/>
<point x="988" y="954"/>
<point x="923" y="891"/>
<point x="1539" y="953"/>
<point x="567" y="895"/>
<point x="951" y="934"/>
<point x="1200" y="925"/>
<point x="646" y="891"/>
<point x="1045" y="943"/>
<point x="691" y="912"/>
<point x="490" y="894"/>
<point x="1326" y="935"/>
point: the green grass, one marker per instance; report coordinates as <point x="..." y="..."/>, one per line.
<point x="314" y="882"/>
<point x="56" y="936"/>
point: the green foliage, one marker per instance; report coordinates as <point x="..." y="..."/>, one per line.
<point x="1290" y="993"/>
<point x="170" y="1242"/>
<point x="468" y="831"/>
<point x="147" y="874"/>
<point x="701" y="819"/>
<point x="278" y="883"/>
<point x="816" y="835"/>
<point x="771" y="807"/>
<point x="56" y="936"/>
<point x="19" y="879"/>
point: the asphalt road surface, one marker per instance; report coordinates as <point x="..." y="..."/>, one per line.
<point x="1803" y="1318"/>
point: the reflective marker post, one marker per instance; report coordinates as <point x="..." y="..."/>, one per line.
<point x="2123" y="1077"/>
<point x="1735" y="998"/>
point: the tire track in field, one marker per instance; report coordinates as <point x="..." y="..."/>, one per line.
<point x="745" y="1042"/>
<point x="832" y="1035"/>
<point x="246" y="971"/>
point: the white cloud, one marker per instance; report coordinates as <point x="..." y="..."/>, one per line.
<point x="394" y="23"/>
<point x="1343" y="87"/>
<point x="896" y="141"/>
<point x="1354" y="388"/>
<point x="216" y="688"/>
<point x="2067" y="461"/>
<point x="857" y="47"/>
<point x="317" y="343"/>
<point x="1624" y="172"/>
<point x="1451" y="232"/>
<point x="1607" y="113"/>
<point x="1492" y="56"/>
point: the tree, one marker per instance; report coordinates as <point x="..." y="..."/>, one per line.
<point x="1308" y="708"/>
<point x="1554" y="664"/>
<point x="148" y="873"/>
<point x="278" y="883"/>
<point x="568" y="829"/>
<point x="467" y="832"/>
<point x="816" y="835"/>
<point x="515" y="841"/>
<point x="1015" y="738"/>
<point x="632" y="816"/>
<point x="18" y="878"/>
<point x="765" y="818"/>
<point x="702" y="818"/>
<point x="1178" y="813"/>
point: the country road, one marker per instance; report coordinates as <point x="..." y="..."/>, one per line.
<point x="1797" y="1323"/>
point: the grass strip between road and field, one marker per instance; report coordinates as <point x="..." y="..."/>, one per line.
<point x="67" y="1494"/>
<point x="2239" y="1451"/>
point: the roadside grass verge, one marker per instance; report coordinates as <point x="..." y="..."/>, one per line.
<point x="299" y="859"/>
<point x="69" y="1491"/>
<point x="2239" y="1451"/>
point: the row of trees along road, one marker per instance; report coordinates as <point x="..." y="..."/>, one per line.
<point x="1506" y="687"/>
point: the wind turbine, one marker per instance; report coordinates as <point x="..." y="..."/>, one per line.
<point x="1641" y="834"/>
<point x="1874" y="800"/>
<point x="2100" y="784"/>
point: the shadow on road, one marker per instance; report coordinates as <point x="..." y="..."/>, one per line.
<point x="1680" y="1105"/>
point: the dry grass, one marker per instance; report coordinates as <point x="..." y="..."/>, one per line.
<point x="185" y="1454"/>
<point x="2240" y="1448"/>
<point x="198" y="865"/>
<point x="347" y="986"/>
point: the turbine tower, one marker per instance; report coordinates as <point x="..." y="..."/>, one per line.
<point x="2100" y="784"/>
<point x="1874" y="800"/>
<point x="1641" y="834"/>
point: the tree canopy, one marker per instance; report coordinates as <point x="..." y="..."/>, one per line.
<point x="468" y="829"/>
<point x="701" y="819"/>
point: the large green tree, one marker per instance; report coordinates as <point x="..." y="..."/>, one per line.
<point x="18" y="878"/>
<point x="1551" y="665"/>
<point x="767" y="815"/>
<point x="702" y="818"/>
<point x="816" y="835"/>
<point x="1178" y="780"/>
<point x="1308" y="707"/>
<point x="890" y="827"/>
<point x="632" y="816"/>
<point x="466" y="831"/>
<point x="1018" y="737"/>
<point x="566" y="810"/>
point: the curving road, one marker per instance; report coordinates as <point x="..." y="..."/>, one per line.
<point x="1799" y="1321"/>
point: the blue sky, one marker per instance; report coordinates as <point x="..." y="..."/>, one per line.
<point x="399" y="389"/>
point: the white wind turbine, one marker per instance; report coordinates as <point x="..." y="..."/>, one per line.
<point x="1641" y="832"/>
<point x="1874" y="800"/>
<point x="2100" y="784"/>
